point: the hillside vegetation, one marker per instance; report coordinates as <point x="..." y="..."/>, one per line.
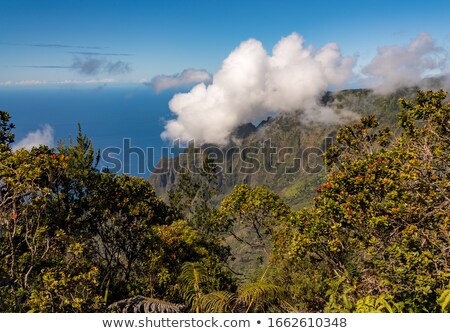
<point x="366" y="231"/>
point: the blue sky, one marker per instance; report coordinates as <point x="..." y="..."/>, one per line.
<point x="128" y="41"/>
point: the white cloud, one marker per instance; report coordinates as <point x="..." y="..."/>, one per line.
<point x="251" y="84"/>
<point x="188" y="76"/>
<point x="399" y="66"/>
<point x="107" y="80"/>
<point x="23" y="83"/>
<point x="42" y="136"/>
<point x="6" y="83"/>
<point x="69" y="82"/>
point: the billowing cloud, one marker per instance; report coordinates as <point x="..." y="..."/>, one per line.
<point x="42" y="136"/>
<point x="188" y="76"/>
<point x="94" y="66"/>
<point x="252" y="84"/>
<point x="399" y="66"/>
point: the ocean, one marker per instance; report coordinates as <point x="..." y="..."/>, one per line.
<point x="108" y="115"/>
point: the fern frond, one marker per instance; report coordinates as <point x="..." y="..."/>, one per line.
<point x="141" y="304"/>
<point x="192" y="277"/>
<point x="260" y="294"/>
<point x="444" y="301"/>
<point x="218" y="301"/>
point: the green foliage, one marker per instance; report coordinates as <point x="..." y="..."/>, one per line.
<point x="260" y="296"/>
<point x="259" y="208"/>
<point x="6" y="127"/>
<point x="218" y="302"/>
<point x="27" y="179"/>
<point x="250" y="217"/>
<point x="193" y="279"/>
<point x="192" y="197"/>
<point x="73" y="239"/>
<point x="380" y="224"/>
<point x="124" y="212"/>
<point x="381" y="303"/>
<point x="197" y="293"/>
<point x="361" y="139"/>
<point x="444" y="300"/>
<point x="69" y="288"/>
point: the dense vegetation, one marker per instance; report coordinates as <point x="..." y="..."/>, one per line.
<point x="375" y="239"/>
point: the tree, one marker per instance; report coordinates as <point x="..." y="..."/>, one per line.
<point x="77" y="186"/>
<point x="259" y="209"/>
<point x="73" y="239"/>
<point x="378" y="232"/>
<point x="193" y="197"/>
<point x="124" y="212"/>
<point x="6" y="127"/>
<point x="251" y="217"/>
<point x="26" y="237"/>
<point x="140" y="245"/>
<point x="70" y="286"/>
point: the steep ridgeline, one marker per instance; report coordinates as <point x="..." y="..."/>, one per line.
<point x="282" y="153"/>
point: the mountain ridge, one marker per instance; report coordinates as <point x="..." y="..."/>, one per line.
<point x="294" y="168"/>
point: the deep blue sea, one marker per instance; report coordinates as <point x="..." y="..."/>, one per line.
<point x="108" y="115"/>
